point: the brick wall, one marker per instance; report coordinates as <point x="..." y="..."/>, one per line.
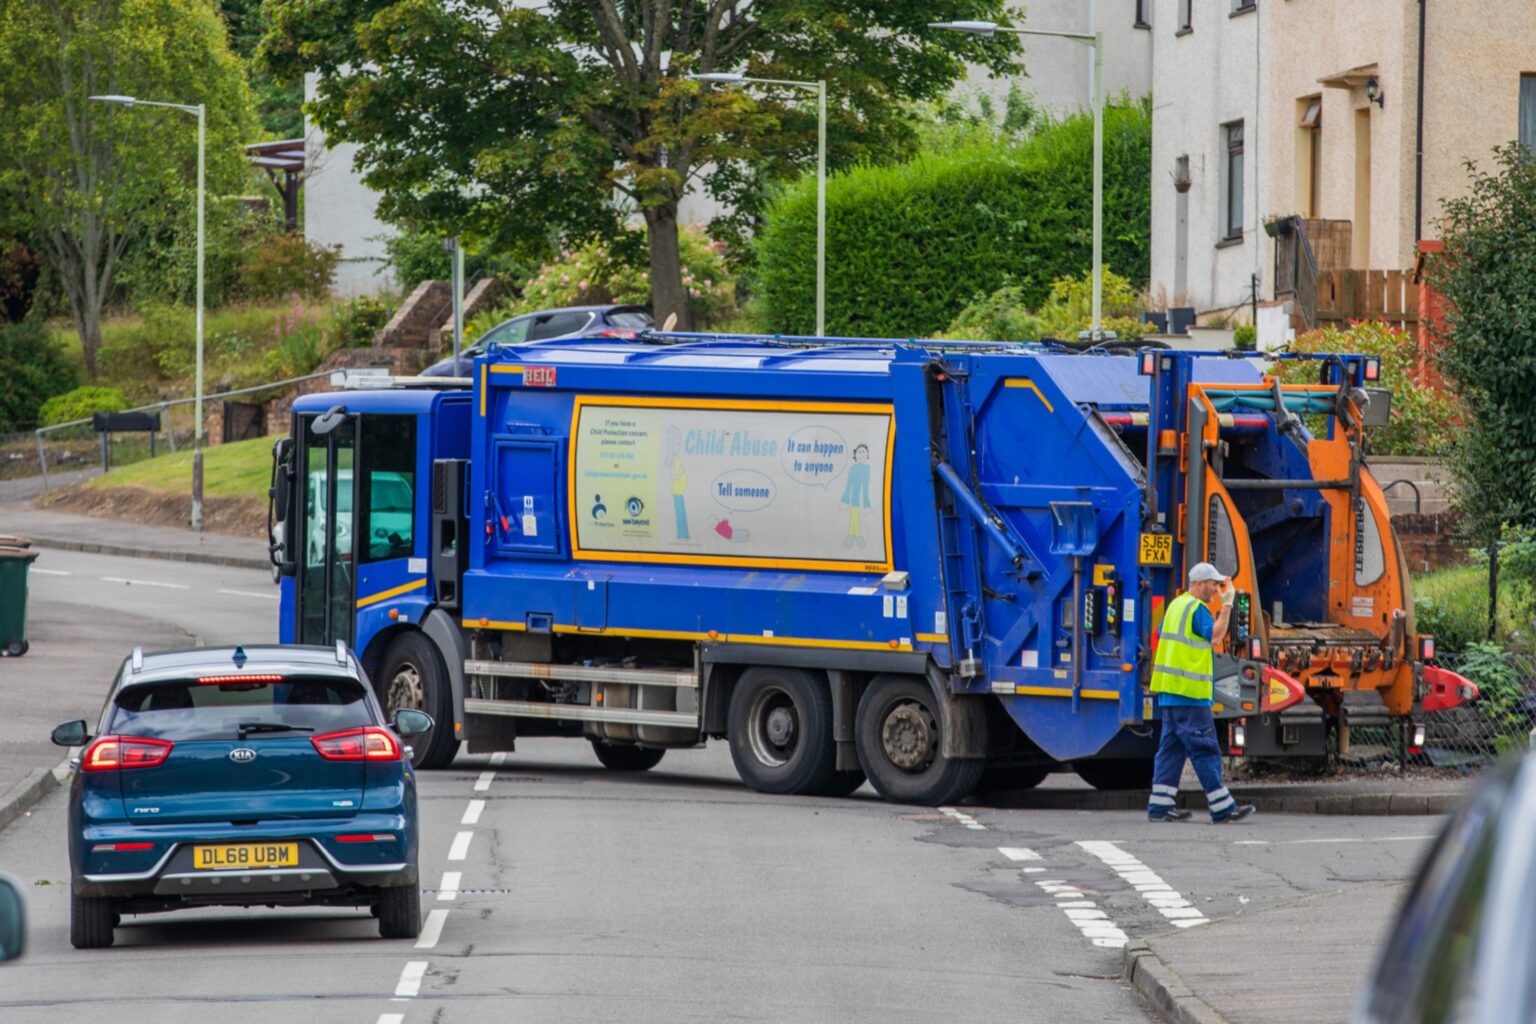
<point x="483" y="296"/>
<point x="421" y="313"/>
<point x="1431" y="541"/>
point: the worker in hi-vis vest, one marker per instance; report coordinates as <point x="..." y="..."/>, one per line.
<point x="1182" y="676"/>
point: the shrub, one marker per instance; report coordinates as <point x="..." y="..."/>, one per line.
<point x="1245" y="336"/>
<point x="1069" y="309"/>
<point x="287" y="264"/>
<point x="910" y="245"/>
<point x="1000" y="316"/>
<point x="417" y="256"/>
<point x="358" y="320"/>
<point x="34" y="372"/>
<point x="80" y="404"/>
<point x="1424" y="419"/>
<point x="301" y="344"/>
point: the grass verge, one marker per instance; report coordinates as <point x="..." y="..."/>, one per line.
<point x="239" y="470"/>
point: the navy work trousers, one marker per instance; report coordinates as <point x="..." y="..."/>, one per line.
<point x="1188" y="732"/>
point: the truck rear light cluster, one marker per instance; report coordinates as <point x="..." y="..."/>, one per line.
<point x="1426" y="648"/>
<point x="1416" y="745"/>
<point x="369" y="743"/>
<point x="111" y="753"/>
<point x="1239" y="741"/>
<point x="1255" y="648"/>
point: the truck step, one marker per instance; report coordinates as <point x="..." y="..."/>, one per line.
<point x="583" y="673"/>
<point x="579" y="713"/>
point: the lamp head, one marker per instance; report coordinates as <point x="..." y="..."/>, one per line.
<point x="718" y="77"/>
<point x="126" y="101"/>
<point x="1373" y="93"/>
<point x="975" y="28"/>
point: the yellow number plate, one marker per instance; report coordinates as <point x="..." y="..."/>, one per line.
<point x="245" y="856"/>
<point x="1156" y="549"/>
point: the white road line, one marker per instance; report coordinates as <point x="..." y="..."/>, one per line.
<point x="1153" y="889"/>
<point x="50" y="572"/>
<point x="1018" y="853"/>
<point x="964" y="819"/>
<point x="145" y="583"/>
<point x="483" y="783"/>
<point x="410" y="978"/>
<point x="499" y="758"/>
<point x="391" y="1018"/>
<point x="472" y="813"/>
<point x="449" y="890"/>
<point x="1309" y="842"/>
<point x="251" y="593"/>
<point x="431" y="931"/>
<point x="460" y="848"/>
<point x="1094" y="923"/>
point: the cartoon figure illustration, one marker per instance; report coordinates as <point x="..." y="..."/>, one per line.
<point x="679" y="480"/>
<point x="856" y="495"/>
<point x="598" y="508"/>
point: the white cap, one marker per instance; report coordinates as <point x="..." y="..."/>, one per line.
<point x="1205" y="571"/>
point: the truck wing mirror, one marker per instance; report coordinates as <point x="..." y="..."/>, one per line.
<point x="329" y="420"/>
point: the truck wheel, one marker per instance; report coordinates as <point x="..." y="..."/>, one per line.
<point x="90" y="921"/>
<point x="413" y="676"/>
<point x="621" y="758"/>
<point x="845" y="783"/>
<point x="898" y="739"/>
<point x="400" y="912"/>
<point x="1116" y="772"/>
<point x="781" y="731"/>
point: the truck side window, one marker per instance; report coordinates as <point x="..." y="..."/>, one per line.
<point x="388" y="486"/>
<point x="1221" y="542"/>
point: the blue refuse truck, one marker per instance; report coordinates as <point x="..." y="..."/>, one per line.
<point x="911" y="562"/>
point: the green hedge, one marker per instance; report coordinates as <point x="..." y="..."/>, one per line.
<point x="81" y="403"/>
<point x="910" y="245"/>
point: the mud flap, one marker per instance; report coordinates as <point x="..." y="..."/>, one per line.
<point x="964" y="733"/>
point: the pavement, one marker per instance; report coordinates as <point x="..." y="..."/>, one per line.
<point x="1348" y="795"/>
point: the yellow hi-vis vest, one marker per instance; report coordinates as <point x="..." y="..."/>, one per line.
<point x="1183" y="662"/>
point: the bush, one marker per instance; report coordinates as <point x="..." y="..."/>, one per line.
<point x="417" y="256"/>
<point x="301" y="345"/>
<point x="1000" y="316"/>
<point x="1245" y="336"/>
<point x="34" y="372"/>
<point x="289" y="265"/>
<point x="1069" y="310"/>
<point x="80" y="403"/>
<point x="161" y="344"/>
<point x="358" y="320"/>
<point x="1424" y="418"/>
<point x="162" y="267"/>
<point x="911" y="245"/>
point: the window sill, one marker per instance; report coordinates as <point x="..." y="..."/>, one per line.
<point x="1251" y="8"/>
<point x="1229" y="242"/>
<point x="1186" y="30"/>
<point x="1141" y="24"/>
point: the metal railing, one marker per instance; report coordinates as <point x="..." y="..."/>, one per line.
<point x="1296" y="268"/>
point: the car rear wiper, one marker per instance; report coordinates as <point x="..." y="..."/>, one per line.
<point x="246" y="728"/>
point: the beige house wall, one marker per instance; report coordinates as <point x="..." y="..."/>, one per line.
<point x="1475" y="51"/>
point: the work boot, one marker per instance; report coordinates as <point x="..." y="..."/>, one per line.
<point x="1238" y="813"/>
<point x="1172" y="814"/>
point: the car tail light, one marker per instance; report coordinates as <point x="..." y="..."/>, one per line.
<point x="616" y="333"/>
<point x="121" y="847"/>
<point x="110" y="753"/>
<point x="370" y="743"/>
<point x="366" y="837"/>
<point x="1239" y="740"/>
<point x="238" y="678"/>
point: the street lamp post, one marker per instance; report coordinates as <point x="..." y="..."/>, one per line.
<point x="820" y="89"/>
<point x="202" y="144"/>
<point x="1095" y="40"/>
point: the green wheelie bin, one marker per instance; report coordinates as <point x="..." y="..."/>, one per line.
<point x="14" y="563"/>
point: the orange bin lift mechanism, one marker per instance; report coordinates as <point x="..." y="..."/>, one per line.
<point x="1360" y="647"/>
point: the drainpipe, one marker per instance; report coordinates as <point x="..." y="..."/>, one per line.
<point x="1418" y="155"/>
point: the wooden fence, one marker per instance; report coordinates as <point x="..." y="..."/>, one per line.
<point x="1390" y="295"/>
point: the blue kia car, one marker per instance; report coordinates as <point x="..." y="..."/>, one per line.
<point x="259" y="776"/>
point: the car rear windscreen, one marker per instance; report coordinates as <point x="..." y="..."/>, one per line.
<point x="189" y="710"/>
<point x="631" y="318"/>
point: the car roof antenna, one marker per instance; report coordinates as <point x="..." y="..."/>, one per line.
<point x="239" y="657"/>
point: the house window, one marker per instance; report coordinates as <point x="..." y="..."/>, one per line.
<point x="1143" y="15"/>
<point x="1527" y="132"/>
<point x="1312" y="153"/>
<point x="1186" y="16"/>
<point x="1232" y="186"/>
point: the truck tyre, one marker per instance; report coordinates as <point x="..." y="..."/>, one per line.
<point x="897" y="734"/>
<point x="400" y="912"/>
<point x="91" y="919"/>
<point x="845" y="783"/>
<point x="413" y="676"/>
<point x="1116" y="772"/>
<point x="624" y="758"/>
<point x="781" y="731"/>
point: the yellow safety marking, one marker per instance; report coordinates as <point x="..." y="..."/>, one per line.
<point x="507" y="368"/>
<point x="1025" y="382"/>
<point x="1101" y="574"/>
<point x="385" y="595"/>
<point x="934" y="638"/>
<point x="482" y="389"/>
<point x="1065" y="691"/>
<point x="516" y="627"/>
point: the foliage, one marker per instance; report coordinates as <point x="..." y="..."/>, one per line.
<point x="1517" y="569"/>
<point x="18" y="280"/>
<point x="1487" y="275"/>
<point x="290" y="265"/>
<point x="302" y="343"/>
<point x="34" y="373"/>
<point x="238" y="469"/>
<point x="1068" y="311"/>
<point x="80" y="403"/>
<point x="359" y="319"/>
<point x="1493" y="668"/>
<point x="912" y="244"/>
<point x="1424" y="418"/>
<point x="1245" y="336"/>
<point x="277" y="103"/>
<point x="1001" y="316"/>
<point x="86" y="179"/>
<point x="417" y="256"/>
<point x="522" y="122"/>
<point x="162" y="268"/>
<point x="1452" y="606"/>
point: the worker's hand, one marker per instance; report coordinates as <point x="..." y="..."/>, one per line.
<point x="1228" y="592"/>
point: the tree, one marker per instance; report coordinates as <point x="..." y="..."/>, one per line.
<point x="484" y="117"/>
<point x="87" y="179"/>
<point x="1487" y="274"/>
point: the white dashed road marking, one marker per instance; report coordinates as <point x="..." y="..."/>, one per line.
<point x="460" y="848"/>
<point x="50" y="572"/>
<point x="1018" y="853"/>
<point x="498" y="758"/>
<point x="1094" y="923"/>
<point x="250" y="593"/>
<point x="145" y="583"/>
<point x="391" y="1018"/>
<point x="964" y="819"/>
<point x="483" y="783"/>
<point x="410" y="978"/>
<point x="472" y="813"/>
<point x="449" y="890"/>
<point x="432" y="930"/>
<point x="1147" y="882"/>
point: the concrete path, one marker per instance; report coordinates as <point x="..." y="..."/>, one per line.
<point x="115" y="537"/>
